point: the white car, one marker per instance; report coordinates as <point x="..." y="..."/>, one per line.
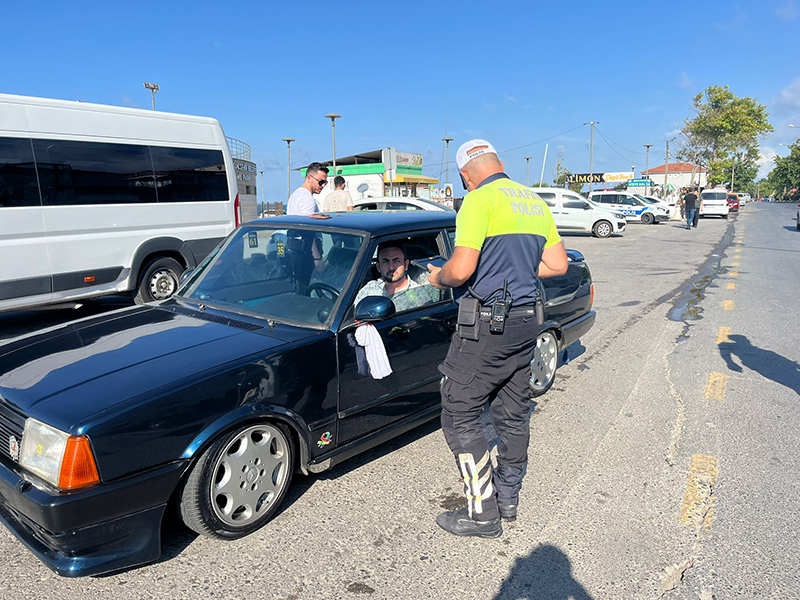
<point x="573" y="212"/>
<point x="714" y="203"/>
<point x="744" y="199"/>
<point x="398" y="203"/>
<point x="672" y="208"/>
<point x="632" y="207"/>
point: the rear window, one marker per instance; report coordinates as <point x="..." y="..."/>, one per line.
<point x="713" y="196"/>
<point x="189" y="175"/>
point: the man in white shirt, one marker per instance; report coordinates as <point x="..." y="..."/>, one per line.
<point x="301" y="202"/>
<point x="395" y="282"/>
<point x="339" y="199"/>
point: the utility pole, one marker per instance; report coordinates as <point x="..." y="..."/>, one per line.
<point x="591" y="153"/>
<point x="647" y="167"/>
<point x="544" y="160"/>
<point x="528" y="171"/>
<point x="666" y="172"/>
<point x="733" y="169"/>
<point x="288" y="166"/>
<point x="263" y="194"/>
<point x="447" y="141"/>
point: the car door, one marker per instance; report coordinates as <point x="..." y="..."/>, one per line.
<point x="553" y="202"/>
<point x="575" y="213"/>
<point x="416" y="343"/>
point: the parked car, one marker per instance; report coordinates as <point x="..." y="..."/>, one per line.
<point x="398" y="203"/>
<point x="209" y="402"/>
<point x="671" y="206"/>
<point x="744" y="199"/>
<point x="714" y="202"/>
<point x="797" y="218"/>
<point x="632" y="207"/>
<point x="574" y="213"/>
<point x="733" y="203"/>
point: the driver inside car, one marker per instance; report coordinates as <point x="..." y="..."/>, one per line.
<point x="394" y="281"/>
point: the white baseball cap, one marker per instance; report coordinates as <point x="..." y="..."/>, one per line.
<point x="472" y="149"/>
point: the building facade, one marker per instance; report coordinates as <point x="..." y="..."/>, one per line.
<point x="246" y="177"/>
<point x="678" y="175"/>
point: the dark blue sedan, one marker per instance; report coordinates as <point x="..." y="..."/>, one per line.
<point x="257" y="369"/>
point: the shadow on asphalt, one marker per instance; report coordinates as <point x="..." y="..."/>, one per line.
<point x="790" y="227"/>
<point x="765" y="362"/>
<point x="545" y="574"/>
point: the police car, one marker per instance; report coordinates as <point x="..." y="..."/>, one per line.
<point x="632" y="207"/>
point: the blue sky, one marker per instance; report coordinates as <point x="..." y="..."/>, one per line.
<point x="406" y="74"/>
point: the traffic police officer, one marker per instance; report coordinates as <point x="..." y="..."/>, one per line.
<point x="505" y="239"/>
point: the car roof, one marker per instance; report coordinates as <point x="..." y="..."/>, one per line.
<point x="373" y="222"/>
<point x="407" y="199"/>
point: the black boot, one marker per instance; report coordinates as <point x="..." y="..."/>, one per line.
<point x="508" y="512"/>
<point x="458" y="522"/>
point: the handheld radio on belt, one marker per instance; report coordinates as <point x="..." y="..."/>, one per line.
<point x="469" y="313"/>
<point x="499" y="311"/>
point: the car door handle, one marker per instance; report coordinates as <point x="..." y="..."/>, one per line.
<point x="450" y="322"/>
<point x="399" y="332"/>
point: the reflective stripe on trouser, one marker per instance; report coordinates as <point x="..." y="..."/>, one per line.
<point x="495" y="369"/>
<point x="477" y="481"/>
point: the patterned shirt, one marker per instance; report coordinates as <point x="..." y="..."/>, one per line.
<point x="413" y="295"/>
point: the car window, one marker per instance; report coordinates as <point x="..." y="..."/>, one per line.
<point x="292" y="275"/>
<point x="549" y="198"/>
<point x="571" y="202"/>
<point x="388" y="265"/>
<point x="368" y="206"/>
<point x="401" y="206"/>
<point x="609" y="199"/>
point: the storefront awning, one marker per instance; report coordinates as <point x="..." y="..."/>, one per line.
<point x="406" y="178"/>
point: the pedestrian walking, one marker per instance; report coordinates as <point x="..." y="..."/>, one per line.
<point x="682" y="203"/>
<point x="505" y="239"/>
<point x="301" y="202"/>
<point x="339" y="199"/>
<point x="690" y="201"/>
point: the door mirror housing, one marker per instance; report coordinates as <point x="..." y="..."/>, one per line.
<point x="185" y="275"/>
<point x="374" y="308"/>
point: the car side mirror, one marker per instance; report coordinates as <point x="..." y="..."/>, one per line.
<point x="374" y="308"/>
<point x="575" y="256"/>
<point x="185" y="275"/>
<point x="587" y="207"/>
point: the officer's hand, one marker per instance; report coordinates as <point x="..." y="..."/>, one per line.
<point x="433" y="274"/>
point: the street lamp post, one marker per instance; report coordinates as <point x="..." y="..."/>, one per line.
<point x="263" y="194"/>
<point x="591" y="154"/>
<point x="333" y="117"/>
<point x="288" y="166"/>
<point x="647" y="167"/>
<point x="153" y="87"/>
<point x="528" y="171"/>
<point x="447" y="141"/>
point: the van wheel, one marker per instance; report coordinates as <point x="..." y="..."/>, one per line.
<point x="648" y="218"/>
<point x="602" y="229"/>
<point x="239" y="482"/>
<point x="159" y="280"/>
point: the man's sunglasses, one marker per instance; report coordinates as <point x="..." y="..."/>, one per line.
<point x="322" y="182"/>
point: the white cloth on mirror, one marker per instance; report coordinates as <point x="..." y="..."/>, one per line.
<point x="368" y="337"/>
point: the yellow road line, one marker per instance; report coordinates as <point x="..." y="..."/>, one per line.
<point x="715" y="386"/>
<point x="722" y="335"/>
<point x="731" y="286"/>
<point x="734" y="264"/>
<point x="727" y="305"/>
<point x="698" y="501"/>
<point x="734" y="273"/>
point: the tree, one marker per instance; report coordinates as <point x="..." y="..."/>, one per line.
<point x="785" y="176"/>
<point x="724" y="134"/>
<point x="561" y="174"/>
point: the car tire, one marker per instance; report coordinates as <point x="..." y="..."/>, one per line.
<point x="544" y="363"/>
<point x="602" y="229"/>
<point x="798" y="225"/>
<point x="159" y="280"/>
<point x="239" y="482"/>
<point x="648" y="218"/>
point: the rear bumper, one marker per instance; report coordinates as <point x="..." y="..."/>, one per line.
<point x="108" y="527"/>
<point x="571" y="332"/>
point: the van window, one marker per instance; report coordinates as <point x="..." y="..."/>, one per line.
<point x="549" y="198"/>
<point x="713" y="195"/>
<point x="610" y="199"/>
<point x="573" y="202"/>
<point x="90" y="173"/>
<point x="18" y="186"/>
<point x="189" y="175"/>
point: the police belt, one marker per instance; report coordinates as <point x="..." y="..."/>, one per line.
<point x="526" y="310"/>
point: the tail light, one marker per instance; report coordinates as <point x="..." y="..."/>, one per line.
<point x="237" y="211"/>
<point x="591" y="296"/>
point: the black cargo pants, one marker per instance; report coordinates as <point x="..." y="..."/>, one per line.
<point x="495" y="369"/>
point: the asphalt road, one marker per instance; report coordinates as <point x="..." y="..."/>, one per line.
<point x="663" y="462"/>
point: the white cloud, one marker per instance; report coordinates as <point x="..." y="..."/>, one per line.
<point x="127" y="100"/>
<point x="765" y="161"/>
<point x="488" y="106"/>
<point x="684" y="81"/>
<point x="789" y="99"/>
<point x="511" y="99"/>
<point x="735" y="24"/>
<point x="788" y="11"/>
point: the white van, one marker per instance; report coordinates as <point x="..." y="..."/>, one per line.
<point x="98" y="199"/>
<point x="714" y="202"/>
<point x="572" y="212"/>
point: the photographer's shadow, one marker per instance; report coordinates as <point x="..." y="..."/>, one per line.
<point x="765" y="362"/>
<point x="546" y="574"/>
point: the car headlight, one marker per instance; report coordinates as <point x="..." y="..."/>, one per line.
<point x="65" y="461"/>
<point x="619" y="215"/>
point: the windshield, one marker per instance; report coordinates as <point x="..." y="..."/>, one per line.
<point x="287" y="274"/>
<point x="645" y="199"/>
